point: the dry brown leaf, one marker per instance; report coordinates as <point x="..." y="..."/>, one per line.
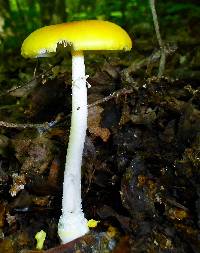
<point x="94" y="123"/>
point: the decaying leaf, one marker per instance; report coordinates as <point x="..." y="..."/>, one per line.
<point x="94" y="123"/>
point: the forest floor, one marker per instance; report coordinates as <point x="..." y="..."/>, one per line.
<point x="141" y="164"/>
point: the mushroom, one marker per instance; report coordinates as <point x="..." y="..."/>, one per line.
<point x="80" y="36"/>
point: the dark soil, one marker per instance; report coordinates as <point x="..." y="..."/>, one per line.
<point x="141" y="164"/>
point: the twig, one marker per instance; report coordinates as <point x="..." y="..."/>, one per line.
<point x="158" y="35"/>
<point x="23" y="126"/>
<point x="145" y="62"/>
<point x="30" y="82"/>
<point x="115" y="94"/>
<point x="47" y="125"/>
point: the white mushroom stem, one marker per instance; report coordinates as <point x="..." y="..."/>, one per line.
<point x="72" y="223"/>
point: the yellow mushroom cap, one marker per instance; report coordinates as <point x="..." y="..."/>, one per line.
<point x="80" y="35"/>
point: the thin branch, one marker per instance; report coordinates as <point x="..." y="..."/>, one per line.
<point x="23" y="126"/>
<point x="45" y="126"/>
<point x="31" y="81"/>
<point x="158" y="35"/>
<point x="115" y="94"/>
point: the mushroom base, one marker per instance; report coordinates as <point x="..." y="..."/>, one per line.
<point x="71" y="226"/>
